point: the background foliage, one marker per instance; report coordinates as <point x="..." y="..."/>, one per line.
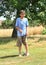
<point x="35" y="10"/>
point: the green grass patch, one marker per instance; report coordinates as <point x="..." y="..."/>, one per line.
<point x="9" y="53"/>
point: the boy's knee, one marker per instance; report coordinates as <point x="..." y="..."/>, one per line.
<point x="24" y="43"/>
<point x="19" y="45"/>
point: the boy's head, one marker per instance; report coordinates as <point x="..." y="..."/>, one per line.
<point x="22" y="13"/>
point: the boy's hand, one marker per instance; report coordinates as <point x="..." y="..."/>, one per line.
<point x="26" y="33"/>
<point x="20" y="30"/>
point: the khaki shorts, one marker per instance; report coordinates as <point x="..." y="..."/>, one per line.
<point x="21" y="40"/>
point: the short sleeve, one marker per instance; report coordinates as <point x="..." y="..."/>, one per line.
<point x="27" y="24"/>
<point x="16" y="24"/>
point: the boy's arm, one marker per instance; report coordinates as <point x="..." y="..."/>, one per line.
<point x="16" y="25"/>
<point x="18" y="29"/>
<point x="27" y="26"/>
<point x="27" y="31"/>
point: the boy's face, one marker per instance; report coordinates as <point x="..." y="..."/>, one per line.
<point x="22" y="15"/>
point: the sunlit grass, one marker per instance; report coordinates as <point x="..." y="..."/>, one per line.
<point x="9" y="52"/>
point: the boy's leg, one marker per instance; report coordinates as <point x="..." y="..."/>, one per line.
<point x="26" y="47"/>
<point x="20" y="45"/>
<point x="25" y="44"/>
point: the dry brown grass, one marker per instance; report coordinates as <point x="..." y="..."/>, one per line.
<point x="6" y="32"/>
<point x="35" y="30"/>
<point x="31" y="31"/>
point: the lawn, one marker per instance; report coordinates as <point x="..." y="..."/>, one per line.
<point x="9" y="52"/>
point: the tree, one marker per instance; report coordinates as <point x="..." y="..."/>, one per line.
<point x="35" y="9"/>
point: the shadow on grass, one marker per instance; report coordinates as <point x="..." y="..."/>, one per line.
<point x="5" y="40"/>
<point x="10" y="56"/>
<point x="41" y="39"/>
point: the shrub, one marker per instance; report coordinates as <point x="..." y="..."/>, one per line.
<point x="7" y="24"/>
<point x="44" y="32"/>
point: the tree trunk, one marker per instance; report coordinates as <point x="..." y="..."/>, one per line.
<point x="14" y="33"/>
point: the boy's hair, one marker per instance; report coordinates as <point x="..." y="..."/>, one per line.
<point x="22" y="11"/>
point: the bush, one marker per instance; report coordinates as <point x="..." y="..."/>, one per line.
<point x="7" y="24"/>
<point x="44" y="32"/>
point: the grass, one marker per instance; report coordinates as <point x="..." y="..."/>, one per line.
<point x="9" y="52"/>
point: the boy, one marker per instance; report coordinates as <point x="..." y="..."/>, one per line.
<point x="21" y="27"/>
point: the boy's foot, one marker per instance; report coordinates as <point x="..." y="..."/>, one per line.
<point x="26" y="54"/>
<point x="20" y="55"/>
